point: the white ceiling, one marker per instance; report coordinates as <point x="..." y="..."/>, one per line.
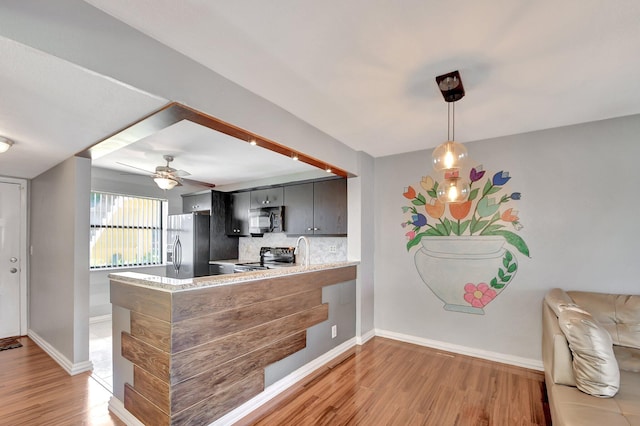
<point x="361" y="71"/>
<point x="207" y="155"/>
<point x="53" y="109"/>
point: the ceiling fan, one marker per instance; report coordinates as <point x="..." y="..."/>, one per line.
<point x="166" y="177"/>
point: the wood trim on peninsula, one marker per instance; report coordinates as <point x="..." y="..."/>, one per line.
<point x="199" y="353"/>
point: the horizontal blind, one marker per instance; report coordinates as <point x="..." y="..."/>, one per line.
<point x="125" y="231"/>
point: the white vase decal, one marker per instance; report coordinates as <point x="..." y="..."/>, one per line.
<point x="460" y="270"/>
<point x="465" y="253"/>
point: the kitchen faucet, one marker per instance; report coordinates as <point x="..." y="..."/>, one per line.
<point x="306" y="251"/>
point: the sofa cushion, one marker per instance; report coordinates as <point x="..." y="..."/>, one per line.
<point x="628" y="358"/>
<point x="619" y="314"/>
<point x="594" y="364"/>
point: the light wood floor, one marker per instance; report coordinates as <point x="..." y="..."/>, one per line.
<point x="383" y="382"/>
<point x="35" y="390"/>
<point x="386" y="382"/>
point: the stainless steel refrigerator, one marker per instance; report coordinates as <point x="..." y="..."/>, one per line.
<point x="187" y="246"/>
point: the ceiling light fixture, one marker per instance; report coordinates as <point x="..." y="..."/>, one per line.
<point x="165" y="183"/>
<point x="253" y="142"/>
<point x="328" y="169"/>
<point x="5" y="144"/>
<point x="294" y="156"/>
<point x="450" y="156"/>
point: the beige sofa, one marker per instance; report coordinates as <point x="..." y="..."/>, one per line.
<point x="619" y="315"/>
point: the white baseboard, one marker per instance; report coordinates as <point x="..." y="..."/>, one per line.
<point x="99" y="319"/>
<point x="69" y="367"/>
<point x="532" y="364"/>
<point x="361" y="340"/>
<point x="281" y="385"/>
<point x="117" y="407"/>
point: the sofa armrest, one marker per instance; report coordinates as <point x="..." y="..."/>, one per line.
<point x="556" y="355"/>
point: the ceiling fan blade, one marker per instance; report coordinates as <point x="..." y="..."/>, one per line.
<point x="198" y="183"/>
<point x="181" y="173"/>
<point x="134" y="167"/>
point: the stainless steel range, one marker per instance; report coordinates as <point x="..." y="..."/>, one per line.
<point x="270" y="258"/>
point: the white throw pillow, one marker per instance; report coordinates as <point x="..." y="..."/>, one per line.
<point x="594" y="363"/>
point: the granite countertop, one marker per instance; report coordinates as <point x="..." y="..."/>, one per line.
<point x="215" y="262"/>
<point x="173" y="284"/>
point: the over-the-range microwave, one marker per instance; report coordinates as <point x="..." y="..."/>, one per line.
<point x="266" y="219"/>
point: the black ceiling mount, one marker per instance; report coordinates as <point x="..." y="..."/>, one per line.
<point x="451" y="86"/>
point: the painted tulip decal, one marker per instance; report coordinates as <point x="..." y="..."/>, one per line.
<point x="487" y="207"/>
<point x="501" y="178"/>
<point x="509" y="215"/>
<point x="427" y="183"/>
<point x="418" y="220"/>
<point x="460" y="210"/>
<point x="409" y="193"/>
<point x="515" y="196"/>
<point x="476" y="174"/>
<point x="410" y="235"/>
<point x="435" y="210"/>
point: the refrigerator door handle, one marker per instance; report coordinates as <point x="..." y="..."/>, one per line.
<point x="177" y="254"/>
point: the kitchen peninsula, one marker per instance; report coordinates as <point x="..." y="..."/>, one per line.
<point x="189" y="351"/>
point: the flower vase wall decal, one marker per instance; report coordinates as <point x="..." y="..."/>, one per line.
<point x="466" y="252"/>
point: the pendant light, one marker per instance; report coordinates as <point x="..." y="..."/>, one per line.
<point x="450" y="156"/>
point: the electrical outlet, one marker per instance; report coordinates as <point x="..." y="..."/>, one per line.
<point x="333" y="249"/>
<point x="334" y="331"/>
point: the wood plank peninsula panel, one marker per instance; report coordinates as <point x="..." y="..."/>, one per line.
<point x="198" y="353"/>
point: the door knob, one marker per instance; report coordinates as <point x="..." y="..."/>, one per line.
<point x="13" y="270"/>
<point x="13" y="260"/>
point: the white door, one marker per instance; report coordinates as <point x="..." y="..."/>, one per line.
<point x="10" y="262"/>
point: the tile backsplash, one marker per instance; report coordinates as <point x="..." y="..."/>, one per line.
<point x="321" y="247"/>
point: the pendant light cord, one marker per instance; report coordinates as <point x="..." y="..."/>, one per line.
<point x="451" y="121"/>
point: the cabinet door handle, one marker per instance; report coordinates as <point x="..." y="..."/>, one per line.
<point x="309" y="229"/>
<point x="316" y="229"/>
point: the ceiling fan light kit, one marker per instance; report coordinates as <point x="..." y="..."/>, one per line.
<point x="5" y="144"/>
<point x="165" y="183"/>
<point x="450" y="156"/>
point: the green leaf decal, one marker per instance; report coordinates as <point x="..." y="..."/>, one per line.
<point x="498" y="286"/>
<point x="431" y="232"/>
<point x="475" y="227"/>
<point x="505" y="262"/>
<point x="418" y="202"/>
<point x="512" y="268"/>
<point x="491" y="228"/>
<point x="455" y="227"/>
<point x="506" y="278"/>
<point x="432" y="193"/>
<point x="501" y="274"/>
<point x="508" y="256"/>
<point x="513" y="239"/>
<point x="447" y="225"/>
<point x="487" y="187"/>
<point x="440" y="227"/>
<point x="494" y="282"/>
<point x="422" y="199"/>
<point x="473" y="194"/>
<point x="463" y="226"/>
<point x="493" y="190"/>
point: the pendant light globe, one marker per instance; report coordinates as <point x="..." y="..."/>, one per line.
<point x="449" y="155"/>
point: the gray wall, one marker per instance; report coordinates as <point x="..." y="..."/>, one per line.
<point x="59" y="264"/>
<point x="578" y="209"/>
<point x="342" y="313"/>
<point x="361" y="241"/>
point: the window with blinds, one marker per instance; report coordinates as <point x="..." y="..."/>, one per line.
<point x="126" y="231"/>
